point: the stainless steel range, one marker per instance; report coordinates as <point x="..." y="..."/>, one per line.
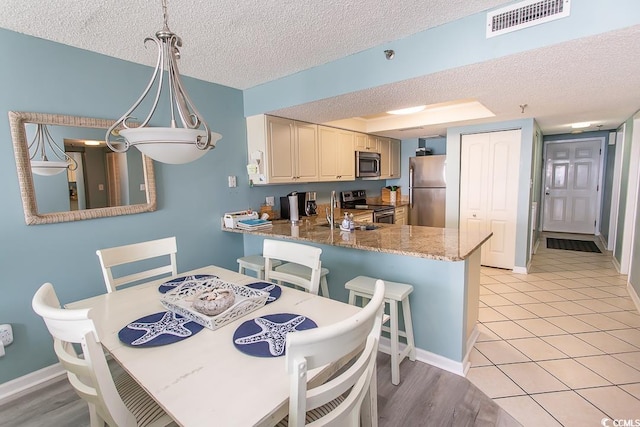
<point x="357" y="199"/>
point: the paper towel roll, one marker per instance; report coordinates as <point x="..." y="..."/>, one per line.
<point x="294" y="215"/>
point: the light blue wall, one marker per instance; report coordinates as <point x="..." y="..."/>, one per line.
<point x="437" y="145"/>
<point x="447" y="46"/>
<point x="191" y="198"/>
<point x="454" y="136"/>
<point x="438" y="301"/>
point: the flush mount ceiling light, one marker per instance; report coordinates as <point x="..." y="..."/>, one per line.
<point x="42" y="143"/>
<point x="409" y="110"/>
<point x="581" y="125"/>
<point x="171" y="144"/>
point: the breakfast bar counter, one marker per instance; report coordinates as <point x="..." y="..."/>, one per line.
<point x="443" y="244"/>
<point x="442" y="265"/>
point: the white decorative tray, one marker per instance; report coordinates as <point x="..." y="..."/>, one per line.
<point x="180" y="301"/>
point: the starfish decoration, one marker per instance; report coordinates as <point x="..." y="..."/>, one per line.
<point x="169" y="324"/>
<point x="269" y="289"/>
<point x="275" y="334"/>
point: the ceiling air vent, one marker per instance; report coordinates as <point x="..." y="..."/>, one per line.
<point x="525" y="14"/>
<point x="408" y="129"/>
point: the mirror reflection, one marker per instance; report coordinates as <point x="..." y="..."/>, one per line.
<point x="104" y="183"/>
<point x="102" y="178"/>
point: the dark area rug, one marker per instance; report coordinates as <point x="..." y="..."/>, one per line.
<point x="572" y="245"/>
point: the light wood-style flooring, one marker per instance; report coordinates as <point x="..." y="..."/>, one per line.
<point x="426" y="396"/>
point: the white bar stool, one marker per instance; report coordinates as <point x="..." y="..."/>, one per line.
<point x="394" y="294"/>
<point x="254" y="263"/>
<point x="302" y="271"/>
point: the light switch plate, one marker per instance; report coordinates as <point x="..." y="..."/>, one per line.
<point x="270" y="200"/>
<point x="232" y="181"/>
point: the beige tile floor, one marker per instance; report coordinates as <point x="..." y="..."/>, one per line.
<point x="559" y="346"/>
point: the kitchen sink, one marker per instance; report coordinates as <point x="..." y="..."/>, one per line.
<point x="358" y="227"/>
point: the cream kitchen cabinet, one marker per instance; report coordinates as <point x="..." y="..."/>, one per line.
<point x="401" y="215"/>
<point x="336" y="154"/>
<point x="363" y="218"/>
<point x="364" y="142"/>
<point x="389" y="158"/>
<point x="284" y="150"/>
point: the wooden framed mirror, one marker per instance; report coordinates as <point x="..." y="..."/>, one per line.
<point x="104" y="184"/>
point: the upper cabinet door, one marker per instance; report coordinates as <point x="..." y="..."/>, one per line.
<point x="394" y="160"/>
<point x="281" y="145"/>
<point x="384" y="144"/>
<point x="336" y="154"/>
<point x="346" y="156"/>
<point x="306" y="152"/>
<point x="364" y="142"/>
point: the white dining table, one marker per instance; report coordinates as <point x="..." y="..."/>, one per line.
<point x="204" y="380"/>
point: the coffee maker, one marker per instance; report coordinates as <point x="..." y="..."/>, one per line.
<point x="310" y="206"/>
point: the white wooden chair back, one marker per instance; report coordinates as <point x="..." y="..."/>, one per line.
<point x="90" y="375"/>
<point x="306" y="255"/>
<point x="309" y="349"/>
<point x="120" y="255"/>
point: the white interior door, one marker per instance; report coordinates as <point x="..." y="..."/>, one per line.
<point x="489" y="192"/>
<point x="571" y="186"/>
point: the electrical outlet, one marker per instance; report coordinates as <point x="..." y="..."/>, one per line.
<point x="6" y="334"/>
<point x="232" y="181"/>
<point x="143" y="187"/>
<point x="270" y="200"/>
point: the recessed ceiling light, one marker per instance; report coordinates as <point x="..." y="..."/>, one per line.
<point x="581" y="125"/>
<point x="92" y="143"/>
<point x="409" y="110"/>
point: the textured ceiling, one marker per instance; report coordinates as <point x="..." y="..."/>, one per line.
<point x="225" y="39"/>
<point x="592" y="79"/>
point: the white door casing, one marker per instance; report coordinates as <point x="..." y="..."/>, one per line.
<point x="489" y="176"/>
<point x="572" y="183"/>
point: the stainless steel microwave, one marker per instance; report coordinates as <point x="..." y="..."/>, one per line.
<point x="367" y="164"/>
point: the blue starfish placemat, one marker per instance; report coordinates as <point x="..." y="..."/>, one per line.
<point x="191" y="280"/>
<point x="157" y="329"/>
<point x="274" y="290"/>
<point x="266" y="336"/>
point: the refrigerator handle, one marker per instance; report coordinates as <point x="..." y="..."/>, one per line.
<point x="410" y="188"/>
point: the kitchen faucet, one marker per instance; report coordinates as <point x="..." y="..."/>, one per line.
<point x="331" y="216"/>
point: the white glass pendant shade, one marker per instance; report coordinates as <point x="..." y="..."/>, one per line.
<point x="169" y="145"/>
<point x="48" y="167"/>
<point x="43" y="145"/>
<point x="188" y="137"/>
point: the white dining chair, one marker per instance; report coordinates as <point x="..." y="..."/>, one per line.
<point x="304" y="255"/>
<point x="350" y="396"/>
<point x="120" y="402"/>
<point x="116" y="256"/>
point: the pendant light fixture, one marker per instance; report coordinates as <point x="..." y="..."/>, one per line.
<point x="40" y="164"/>
<point x="171" y="144"/>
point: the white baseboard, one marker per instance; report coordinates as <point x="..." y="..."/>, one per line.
<point x="604" y="243"/>
<point x="466" y="363"/>
<point x="26" y="383"/>
<point x="428" y="357"/>
<point x="616" y="264"/>
<point x="520" y="270"/>
<point x="634" y="296"/>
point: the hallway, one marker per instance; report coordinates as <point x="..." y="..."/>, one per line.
<point x="559" y="346"/>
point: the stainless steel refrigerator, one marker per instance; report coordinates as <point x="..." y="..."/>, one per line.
<point x="427" y="191"/>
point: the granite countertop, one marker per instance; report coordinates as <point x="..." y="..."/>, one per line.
<point x="444" y="244"/>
